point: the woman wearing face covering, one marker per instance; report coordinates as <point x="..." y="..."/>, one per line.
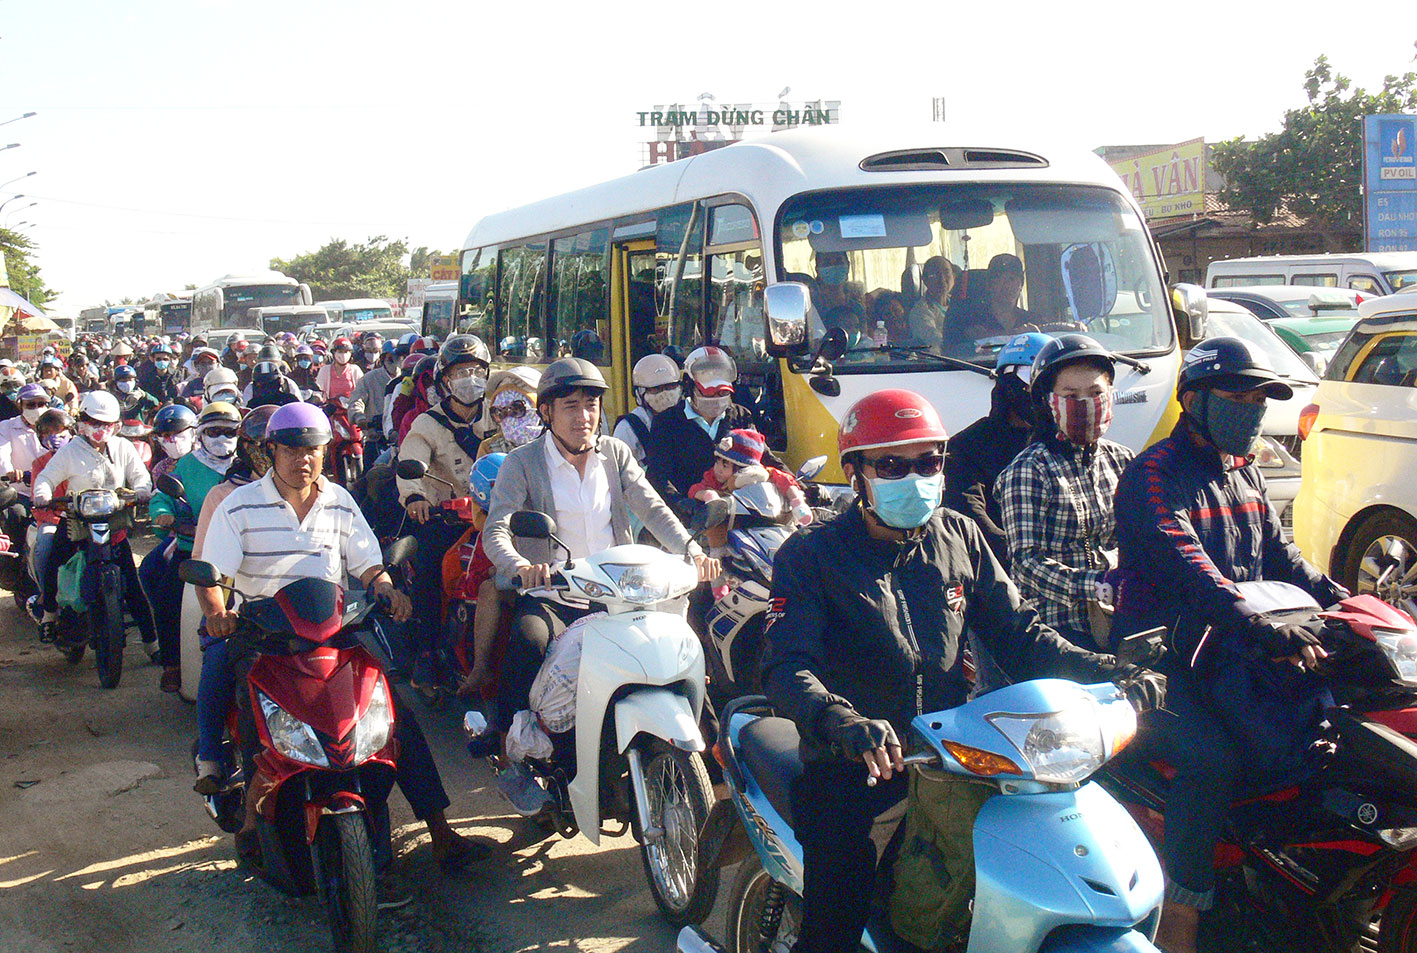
<point x="509" y="419"/>
<point x="1056" y="496"/>
<point x="337" y="379"/>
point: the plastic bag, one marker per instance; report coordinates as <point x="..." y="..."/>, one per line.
<point x="67" y="589"/>
<point x="553" y="691"/>
<point x="525" y="739"/>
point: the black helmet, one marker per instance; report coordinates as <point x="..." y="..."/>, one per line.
<point x="1068" y="349"/>
<point x="1231" y="364"/>
<point x="568" y="374"/>
<point x="253" y="425"/>
<point x="462" y="349"/>
<point x="266" y="372"/>
<point x="269" y="352"/>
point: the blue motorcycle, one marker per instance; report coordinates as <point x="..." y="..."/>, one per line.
<point x="1060" y="866"/>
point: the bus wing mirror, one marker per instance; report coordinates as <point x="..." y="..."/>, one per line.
<point x="1190" y="307"/>
<point x="786" y="305"/>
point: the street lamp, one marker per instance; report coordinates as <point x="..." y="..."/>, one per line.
<point x="16" y="179"/>
<point x="17" y="195"/>
<point x="13" y="145"/>
<point x="16" y="119"/>
<point x="17" y="212"/>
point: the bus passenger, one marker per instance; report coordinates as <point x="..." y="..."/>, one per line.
<point x="997" y="312"/>
<point x="888" y="308"/>
<point x="927" y="318"/>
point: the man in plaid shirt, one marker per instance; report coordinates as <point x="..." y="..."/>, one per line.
<point x="1056" y="496"/>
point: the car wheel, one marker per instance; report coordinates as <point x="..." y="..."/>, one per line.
<point x="1382" y="560"/>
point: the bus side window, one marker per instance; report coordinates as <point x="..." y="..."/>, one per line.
<point x="679" y="266"/>
<point x="520" y="296"/>
<point x="477" y="295"/>
<point x="579" y="302"/>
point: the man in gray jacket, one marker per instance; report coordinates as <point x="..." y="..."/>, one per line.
<point x="589" y="485"/>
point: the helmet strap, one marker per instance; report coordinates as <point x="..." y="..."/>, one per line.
<point x="573" y="451"/>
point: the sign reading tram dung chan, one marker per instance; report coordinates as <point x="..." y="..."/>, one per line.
<point x="1390" y="182"/>
<point x="683" y="130"/>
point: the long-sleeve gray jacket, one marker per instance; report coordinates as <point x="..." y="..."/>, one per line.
<point x="523" y="483"/>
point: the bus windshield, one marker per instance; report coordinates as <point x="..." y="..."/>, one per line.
<point x="360" y="315"/>
<point x="913" y="271"/>
<point x="238" y="300"/>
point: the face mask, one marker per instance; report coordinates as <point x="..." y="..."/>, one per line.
<point x="906" y="503"/>
<point x="177" y="445"/>
<point x="161" y="365"/>
<point x="55" y="441"/>
<point x="125" y="387"/>
<point x="341" y="357"/>
<point x="710" y="408"/>
<point x="833" y="274"/>
<point x="467" y="390"/>
<point x="372" y="352"/>
<point x="522" y="430"/>
<point x="97" y="434"/>
<point x="31" y="414"/>
<point x="219" y="447"/>
<point x="303" y="362"/>
<point x="1081" y="420"/>
<point x="1231" y="425"/>
<point x="659" y="403"/>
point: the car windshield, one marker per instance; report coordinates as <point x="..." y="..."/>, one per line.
<point x="958" y="270"/>
<point x="1246" y="326"/>
<point x="1400" y="280"/>
<point x="1327" y="342"/>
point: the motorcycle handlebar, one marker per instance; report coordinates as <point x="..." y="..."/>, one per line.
<point x="922" y="758"/>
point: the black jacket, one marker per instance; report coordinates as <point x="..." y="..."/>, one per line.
<point x="974" y="458"/>
<point x="679" y="450"/>
<point x="853" y="618"/>
<point x="161" y="387"/>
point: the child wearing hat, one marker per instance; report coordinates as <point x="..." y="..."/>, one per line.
<point x="738" y="462"/>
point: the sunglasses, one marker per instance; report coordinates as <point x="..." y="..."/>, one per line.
<point x="221" y="432"/>
<point x="517" y="409"/>
<point x="895" y="468"/>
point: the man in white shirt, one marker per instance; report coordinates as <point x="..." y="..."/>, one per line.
<point x="19" y="443"/>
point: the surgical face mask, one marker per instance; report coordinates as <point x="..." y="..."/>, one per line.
<point x="659" y="403"/>
<point x="341" y="357"/>
<point x="31" y="414"/>
<point x="219" y="447"/>
<point x="125" y="387"/>
<point x="522" y="430"/>
<point x="230" y="396"/>
<point x="833" y="274"/>
<point x="303" y="362"/>
<point x="96" y="434"/>
<point x="467" y="390"/>
<point x="162" y="365"/>
<point x="373" y="352"/>
<point x="178" y="444"/>
<point x="55" y="441"/>
<point x="906" y="503"/>
<point x="1233" y="426"/>
<point x="1081" y="420"/>
<point x="711" y="408"/>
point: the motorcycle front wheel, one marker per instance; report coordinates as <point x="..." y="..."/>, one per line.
<point x="762" y="914"/>
<point x="351" y="468"/>
<point x="1397" y="930"/>
<point x="106" y="619"/>
<point x="680" y="798"/>
<point x="351" y="900"/>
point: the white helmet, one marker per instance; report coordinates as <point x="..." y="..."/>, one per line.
<point x="655" y="370"/>
<point x="219" y="378"/>
<point x="100" y="406"/>
<point x="711" y="367"/>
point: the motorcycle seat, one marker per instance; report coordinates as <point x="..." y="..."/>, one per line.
<point x="769" y="750"/>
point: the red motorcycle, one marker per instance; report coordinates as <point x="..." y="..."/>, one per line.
<point x="323" y="718"/>
<point x="345" y="456"/>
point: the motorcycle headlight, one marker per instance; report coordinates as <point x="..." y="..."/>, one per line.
<point x="371" y="732"/>
<point x="292" y="737"/>
<point x="1401" y="650"/>
<point x="645" y="584"/>
<point x="94" y="503"/>
<point x="1063" y="747"/>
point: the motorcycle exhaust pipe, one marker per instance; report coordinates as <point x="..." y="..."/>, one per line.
<point x="694" y="940"/>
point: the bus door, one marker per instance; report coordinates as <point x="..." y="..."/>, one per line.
<point x="634" y="316"/>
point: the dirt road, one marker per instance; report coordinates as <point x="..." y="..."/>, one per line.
<point x="104" y="847"/>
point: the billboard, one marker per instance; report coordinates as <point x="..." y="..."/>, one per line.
<point x="1168" y="181"/>
<point x="1390" y="183"/>
<point x="444" y="268"/>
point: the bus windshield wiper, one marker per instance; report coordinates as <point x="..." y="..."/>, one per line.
<point x="947" y="361"/>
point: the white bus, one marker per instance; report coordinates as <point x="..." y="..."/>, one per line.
<point x="616" y="271"/>
<point x="358" y="310"/>
<point x="225" y="302"/>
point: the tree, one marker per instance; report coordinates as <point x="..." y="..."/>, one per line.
<point x="420" y="263"/>
<point x="339" y="269"/>
<point x="19" y="263"/>
<point x="1314" y="165"/>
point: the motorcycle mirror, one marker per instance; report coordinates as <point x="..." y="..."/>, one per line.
<point x="169" y="484"/>
<point x="412" y="469"/>
<point x="530" y="524"/>
<point x="811" y="468"/>
<point x="716" y="512"/>
<point x="195" y="572"/>
<point x="1143" y="648"/>
<point x="400" y="551"/>
<point x="834" y="344"/>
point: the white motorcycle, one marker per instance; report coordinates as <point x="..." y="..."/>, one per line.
<point x="634" y="755"/>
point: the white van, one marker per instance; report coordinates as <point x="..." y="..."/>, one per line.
<point x="1376" y="274"/>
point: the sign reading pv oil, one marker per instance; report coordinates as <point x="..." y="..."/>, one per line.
<point x="1390" y="182"/>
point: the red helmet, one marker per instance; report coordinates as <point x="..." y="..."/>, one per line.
<point x="342" y="343"/>
<point x="889" y="418"/>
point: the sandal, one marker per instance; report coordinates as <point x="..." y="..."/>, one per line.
<point x="171" y="679"/>
<point x="458" y="853"/>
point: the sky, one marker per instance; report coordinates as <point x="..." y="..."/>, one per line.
<point x="179" y="140"/>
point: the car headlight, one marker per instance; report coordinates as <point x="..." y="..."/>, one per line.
<point x="1401" y="650"/>
<point x="94" y="503"/>
<point x="1267" y="456"/>
<point x="1066" y="746"/>
<point x="292" y="737"/>
<point x="371" y="732"/>
<point x="645" y="584"/>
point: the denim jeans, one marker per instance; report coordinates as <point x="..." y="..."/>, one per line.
<point x="164" y="590"/>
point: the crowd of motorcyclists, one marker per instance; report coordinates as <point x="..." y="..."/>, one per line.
<point x="1029" y="529"/>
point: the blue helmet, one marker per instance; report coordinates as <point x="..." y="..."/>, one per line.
<point x="174" y="418"/>
<point x="124" y="372"/>
<point x="1021" y="350"/>
<point x="483" y="475"/>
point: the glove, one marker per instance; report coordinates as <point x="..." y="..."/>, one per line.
<point x="851" y="734"/>
<point x="1282" y="640"/>
<point x="143" y="495"/>
<point x="41" y="497"/>
<point x="1145" y="689"/>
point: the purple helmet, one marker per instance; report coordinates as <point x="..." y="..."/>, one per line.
<point x="299" y="425"/>
<point x="34" y="391"/>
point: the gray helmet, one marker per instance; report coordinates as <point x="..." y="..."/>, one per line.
<point x="568" y="374"/>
